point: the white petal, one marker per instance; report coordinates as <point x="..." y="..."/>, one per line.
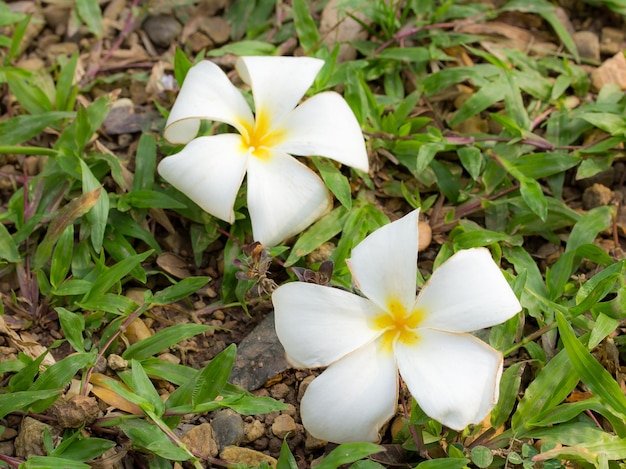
<point x="466" y="293"/>
<point x="207" y="93"/>
<point x="284" y="197"/>
<point x="454" y="377"/>
<point x="384" y="265"/>
<point x="319" y="325"/>
<point x="209" y="170"/>
<point x="353" y="398"/>
<point x="324" y="125"/>
<point x="278" y="83"/>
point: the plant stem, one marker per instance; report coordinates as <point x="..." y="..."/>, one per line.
<point x="415" y="433"/>
<point x="131" y="317"/>
<point x="19" y="150"/>
<point x="531" y="338"/>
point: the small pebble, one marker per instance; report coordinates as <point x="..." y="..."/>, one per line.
<point x="290" y="410"/>
<point x="7" y="448"/>
<point x="283" y="425"/>
<point x="425" y="235"/>
<point x="216" y="28"/>
<point x="117" y="363"/>
<point x="313" y="444"/>
<point x="8" y="434"/>
<point x="279" y="391"/>
<point x="261" y="444"/>
<point x="246" y="456"/>
<point x="597" y="195"/>
<point x="303" y="385"/>
<point x="253" y="431"/>
<point x="201" y="441"/>
<point x="611" y="40"/>
<point x="588" y="44"/>
<point x="228" y="428"/>
<point x="162" y="30"/>
<point x="275" y="445"/>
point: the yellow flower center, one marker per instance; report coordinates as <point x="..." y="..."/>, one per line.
<point x="398" y="324"/>
<point x="258" y="140"/>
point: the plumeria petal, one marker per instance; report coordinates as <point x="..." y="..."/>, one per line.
<point x="209" y="170"/>
<point x="319" y="325"/>
<point x="284" y="197"/>
<point x="353" y="398"/>
<point x="324" y="125"/>
<point x="466" y="293"/>
<point x="278" y="83"/>
<point x="384" y="265"/>
<point x="207" y="93"/>
<point x="454" y="377"/>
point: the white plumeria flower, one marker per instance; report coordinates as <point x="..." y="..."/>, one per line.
<point x="453" y="376"/>
<point x="284" y="195"/>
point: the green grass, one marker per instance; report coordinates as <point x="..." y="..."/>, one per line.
<point x="75" y="235"/>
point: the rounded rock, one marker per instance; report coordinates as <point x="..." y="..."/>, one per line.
<point x="228" y="428"/>
<point x="162" y="30"/>
<point x="303" y="385"/>
<point x="117" y="363"/>
<point x="75" y="411"/>
<point x="597" y="195"/>
<point x="253" y="431"/>
<point x="201" y="440"/>
<point x="284" y="425"/>
<point x="279" y="391"/>
<point x="425" y="235"/>
<point x="588" y="44"/>
<point x="313" y="444"/>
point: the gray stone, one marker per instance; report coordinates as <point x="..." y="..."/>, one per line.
<point x="228" y="428"/>
<point x="162" y="30"/>
<point x="260" y="356"/>
<point x="588" y="45"/>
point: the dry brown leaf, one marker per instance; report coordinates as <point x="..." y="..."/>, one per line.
<point x="26" y="344"/>
<point x="173" y="265"/>
<point x="102" y="390"/>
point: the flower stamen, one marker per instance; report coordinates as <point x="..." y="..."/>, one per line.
<point x="259" y="139"/>
<point x="396" y="323"/>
